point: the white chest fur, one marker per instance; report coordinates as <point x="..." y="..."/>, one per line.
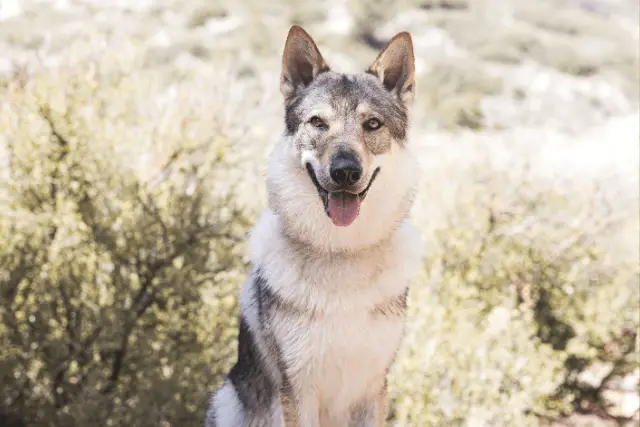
<point x="338" y="345"/>
<point x="340" y="358"/>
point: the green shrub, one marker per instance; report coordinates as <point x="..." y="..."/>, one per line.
<point x="464" y="362"/>
<point x="117" y="283"/>
<point x="522" y="293"/>
<point x="369" y="16"/>
<point x="452" y="91"/>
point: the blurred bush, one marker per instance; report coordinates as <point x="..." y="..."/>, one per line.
<point x="117" y="289"/>
<point x="519" y="299"/>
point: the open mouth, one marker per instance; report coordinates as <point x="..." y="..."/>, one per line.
<point x="341" y="206"/>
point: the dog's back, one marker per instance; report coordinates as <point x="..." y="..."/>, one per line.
<point x="322" y="312"/>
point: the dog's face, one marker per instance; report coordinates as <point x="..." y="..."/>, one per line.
<point x="346" y="133"/>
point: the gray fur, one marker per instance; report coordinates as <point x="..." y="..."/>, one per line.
<point x="344" y="93"/>
<point x="322" y="312"/>
<point x="395" y="306"/>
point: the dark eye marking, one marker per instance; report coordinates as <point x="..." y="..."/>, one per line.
<point x="372" y="124"/>
<point x="317" y="122"/>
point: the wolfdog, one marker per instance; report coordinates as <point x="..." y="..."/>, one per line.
<point x="322" y="312"/>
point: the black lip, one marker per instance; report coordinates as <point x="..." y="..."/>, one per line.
<point x="373" y="177"/>
<point x="324" y="194"/>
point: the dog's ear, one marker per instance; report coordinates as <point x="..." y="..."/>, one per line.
<point x="395" y="67"/>
<point x="301" y="62"/>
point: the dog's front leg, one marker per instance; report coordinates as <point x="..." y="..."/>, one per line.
<point x="372" y="411"/>
<point x="298" y="409"/>
<point x="289" y="406"/>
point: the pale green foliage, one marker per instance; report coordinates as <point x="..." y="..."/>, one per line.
<point x="466" y="362"/>
<point x="369" y="15"/>
<point x="521" y="292"/>
<point x="453" y="92"/>
<point x="105" y="270"/>
<point x="569" y="39"/>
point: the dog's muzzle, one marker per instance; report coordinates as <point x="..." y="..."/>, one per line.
<point x="342" y="206"/>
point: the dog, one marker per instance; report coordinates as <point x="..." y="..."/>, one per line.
<point x="322" y="312"/>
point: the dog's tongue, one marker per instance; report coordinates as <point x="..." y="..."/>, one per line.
<point x="343" y="208"/>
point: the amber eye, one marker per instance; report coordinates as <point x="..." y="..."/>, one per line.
<point x="317" y="122"/>
<point x="372" y="124"/>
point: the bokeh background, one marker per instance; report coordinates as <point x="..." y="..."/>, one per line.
<point x="133" y="141"/>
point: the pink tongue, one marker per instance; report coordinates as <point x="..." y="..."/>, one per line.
<point x="343" y="208"/>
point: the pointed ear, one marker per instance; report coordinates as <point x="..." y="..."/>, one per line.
<point x="301" y="62"/>
<point x="395" y="67"/>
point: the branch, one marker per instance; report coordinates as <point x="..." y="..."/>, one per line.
<point x="64" y="151"/>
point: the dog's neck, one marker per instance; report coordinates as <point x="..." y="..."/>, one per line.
<point x="324" y="246"/>
<point x="270" y="239"/>
<point x="314" y="240"/>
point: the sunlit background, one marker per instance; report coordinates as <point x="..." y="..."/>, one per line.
<point x="133" y="141"/>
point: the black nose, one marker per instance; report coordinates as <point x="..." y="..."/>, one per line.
<point x="345" y="168"/>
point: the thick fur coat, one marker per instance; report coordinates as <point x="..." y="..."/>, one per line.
<point x="322" y="312"/>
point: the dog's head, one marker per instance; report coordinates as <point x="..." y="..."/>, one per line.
<point x="344" y="144"/>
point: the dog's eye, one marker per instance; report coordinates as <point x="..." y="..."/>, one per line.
<point x="372" y="124"/>
<point x="317" y="122"/>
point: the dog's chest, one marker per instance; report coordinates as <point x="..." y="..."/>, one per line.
<point x="339" y="319"/>
<point x="348" y="354"/>
<point x="341" y="357"/>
